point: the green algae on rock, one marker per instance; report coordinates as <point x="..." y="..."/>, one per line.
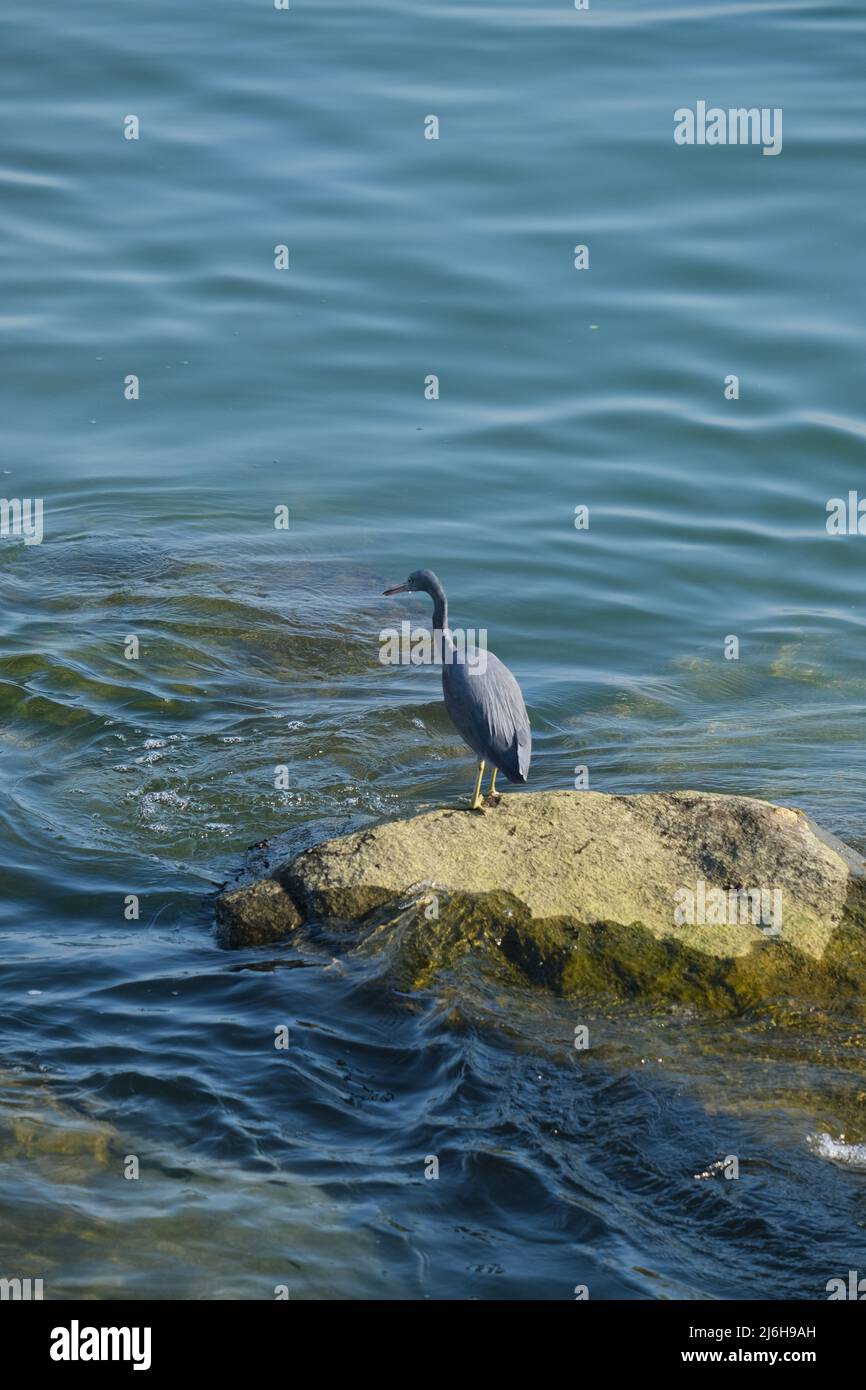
<point x="722" y="900"/>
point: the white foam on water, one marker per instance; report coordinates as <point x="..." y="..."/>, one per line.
<point x="837" y="1151"/>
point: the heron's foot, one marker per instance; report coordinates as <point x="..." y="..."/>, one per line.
<point x="493" y="798"/>
<point x="475" y="803"/>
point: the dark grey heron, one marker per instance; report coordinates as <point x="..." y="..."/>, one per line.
<point x="481" y="696"/>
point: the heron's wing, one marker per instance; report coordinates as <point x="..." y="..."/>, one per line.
<point x="487" y="708"/>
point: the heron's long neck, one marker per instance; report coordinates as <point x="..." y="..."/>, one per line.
<point x="440" y="609"/>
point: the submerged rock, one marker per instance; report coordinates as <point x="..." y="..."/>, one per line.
<point x="685" y="895"/>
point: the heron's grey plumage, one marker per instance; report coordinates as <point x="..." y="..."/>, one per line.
<point x="481" y="695"/>
<point x="487" y="709"/>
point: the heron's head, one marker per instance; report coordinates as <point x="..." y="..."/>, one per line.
<point x="419" y="582"/>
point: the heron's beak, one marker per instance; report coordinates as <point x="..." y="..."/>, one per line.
<point x="397" y="589"/>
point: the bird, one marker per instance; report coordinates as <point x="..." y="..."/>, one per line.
<point x="483" y="699"/>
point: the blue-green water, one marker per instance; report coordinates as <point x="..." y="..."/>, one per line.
<point x="304" y="388"/>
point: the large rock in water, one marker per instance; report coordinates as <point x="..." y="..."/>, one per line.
<point x="686" y="895"/>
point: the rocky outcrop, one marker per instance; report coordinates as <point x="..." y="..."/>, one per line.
<point x="686" y="894"/>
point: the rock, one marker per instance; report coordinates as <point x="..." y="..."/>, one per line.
<point x="255" y="915"/>
<point x="43" y="1135"/>
<point x="688" y="895"/>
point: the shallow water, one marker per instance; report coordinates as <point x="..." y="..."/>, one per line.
<point x="305" y="388"/>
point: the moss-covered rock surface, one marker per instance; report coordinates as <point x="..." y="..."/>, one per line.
<point x="697" y="897"/>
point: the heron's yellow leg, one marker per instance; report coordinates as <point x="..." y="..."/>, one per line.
<point x="493" y="782"/>
<point x="476" y="795"/>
